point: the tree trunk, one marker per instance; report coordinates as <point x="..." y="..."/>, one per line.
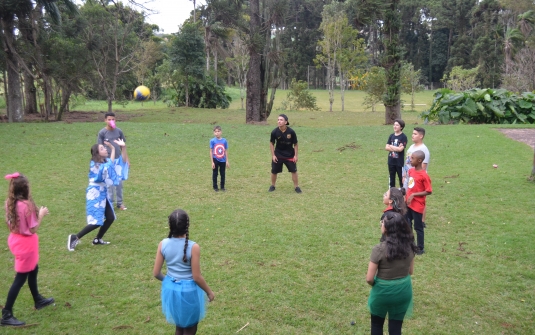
<point x="342" y="85"/>
<point x="330" y="84"/>
<point x="15" y="111"/>
<point x="5" y="92"/>
<point x="254" y="80"/>
<point x="30" y="93"/>
<point x="65" y="96"/>
<point x="392" y="113"/>
<point x="187" y="91"/>
<point x="215" y="66"/>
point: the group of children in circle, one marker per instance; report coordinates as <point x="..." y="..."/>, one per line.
<point x="184" y="291"/>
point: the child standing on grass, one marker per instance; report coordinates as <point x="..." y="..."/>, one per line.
<point x="418" y="187"/>
<point x="396" y="152"/>
<point x="183" y="287"/>
<point x="389" y="273"/>
<point x="23" y="220"/>
<point x="219" y="157"/>
<point x="104" y="173"/>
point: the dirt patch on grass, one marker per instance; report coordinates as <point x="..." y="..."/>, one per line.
<point x="521" y="135"/>
<point x="75" y="116"/>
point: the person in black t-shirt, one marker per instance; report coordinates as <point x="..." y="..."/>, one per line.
<point x="284" y="148"/>
<point x="396" y="153"/>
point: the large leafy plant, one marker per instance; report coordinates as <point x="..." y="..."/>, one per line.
<point x="481" y="106"/>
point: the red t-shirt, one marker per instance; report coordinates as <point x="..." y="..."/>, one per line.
<point x="419" y="181"/>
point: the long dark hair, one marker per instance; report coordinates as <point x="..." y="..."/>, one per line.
<point x="19" y="189"/>
<point x="179" y="225"/>
<point x="95" y="155"/>
<point x="398" y="237"/>
<point x="397" y="195"/>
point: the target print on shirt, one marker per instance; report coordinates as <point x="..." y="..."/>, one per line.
<point x="219" y="151"/>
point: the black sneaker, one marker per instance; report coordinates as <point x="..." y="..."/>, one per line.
<point x="298" y="190"/>
<point x="216" y="189"/>
<point x="9" y="320"/>
<point x="72" y="241"/>
<point x="271" y="188"/>
<point x="223" y="189"/>
<point x="99" y="241"/>
<point x="42" y="302"/>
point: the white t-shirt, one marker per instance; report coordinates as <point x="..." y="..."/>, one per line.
<point x="407" y="165"/>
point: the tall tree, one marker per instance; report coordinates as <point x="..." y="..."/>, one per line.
<point x="391" y="62"/>
<point x="187" y="55"/>
<point x="266" y="20"/>
<point x="333" y="23"/>
<point x="15" y="14"/>
<point x="113" y="33"/>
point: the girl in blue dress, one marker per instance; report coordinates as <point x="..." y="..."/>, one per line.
<point x="184" y="289"/>
<point x="103" y="173"/>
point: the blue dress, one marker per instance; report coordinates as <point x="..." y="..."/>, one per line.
<point x="183" y="301"/>
<point x="101" y="177"/>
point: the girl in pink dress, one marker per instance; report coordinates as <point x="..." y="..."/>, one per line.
<point x="23" y="219"/>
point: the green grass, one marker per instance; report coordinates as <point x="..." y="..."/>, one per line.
<point x="285" y="263"/>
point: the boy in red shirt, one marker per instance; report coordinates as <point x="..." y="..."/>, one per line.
<point x="419" y="187"/>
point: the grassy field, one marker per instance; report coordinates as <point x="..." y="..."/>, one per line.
<point x="282" y="262"/>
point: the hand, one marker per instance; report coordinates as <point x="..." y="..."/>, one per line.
<point x="120" y="142"/>
<point x="213" y="165"/>
<point x="401" y="146"/>
<point x="108" y="144"/>
<point x="295" y="159"/>
<point x="211" y="296"/>
<point x="43" y="211"/>
<point x="409" y="199"/>
<point x="228" y="164"/>
<point x="275" y="159"/>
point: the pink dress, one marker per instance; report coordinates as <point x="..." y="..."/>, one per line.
<point x="24" y="244"/>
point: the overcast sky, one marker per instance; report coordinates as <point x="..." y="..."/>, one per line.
<point x="169" y="13"/>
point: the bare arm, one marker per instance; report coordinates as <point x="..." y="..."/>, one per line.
<point x="389" y="147"/>
<point x="296" y="149"/>
<point x="417" y="194"/>
<point x="372" y="271"/>
<point x="226" y="157"/>
<point x="158" y="263"/>
<point x="196" y="271"/>
<point x="42" y="212"/>
<point x="273" y="157"/>
<point x="112" y="148"/>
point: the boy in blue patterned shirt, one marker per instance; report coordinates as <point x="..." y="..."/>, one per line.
<point x="219" y="157"/>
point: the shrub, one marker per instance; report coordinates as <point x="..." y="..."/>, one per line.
<point x="481" y="106"/>
<point x="202" y="94"/>
<point x="299" y="97"/>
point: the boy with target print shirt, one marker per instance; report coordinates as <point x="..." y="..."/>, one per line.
<point x="219" y="157"/>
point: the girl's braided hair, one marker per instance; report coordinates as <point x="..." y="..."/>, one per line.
<point x="179" y="225"/>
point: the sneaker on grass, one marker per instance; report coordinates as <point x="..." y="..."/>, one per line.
<point x="99" y="241"/>
<point x="298" y="190"/>
<point x="271" y="188"/>
<point x="72" y="242"/>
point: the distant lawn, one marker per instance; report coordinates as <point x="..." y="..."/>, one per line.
<point x="354" y="113"/>
<point x="282" y="262"/>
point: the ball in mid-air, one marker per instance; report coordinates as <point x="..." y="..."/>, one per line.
<point x="141" y="93"/>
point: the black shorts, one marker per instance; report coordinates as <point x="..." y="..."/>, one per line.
<point x="277" y="167"/>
